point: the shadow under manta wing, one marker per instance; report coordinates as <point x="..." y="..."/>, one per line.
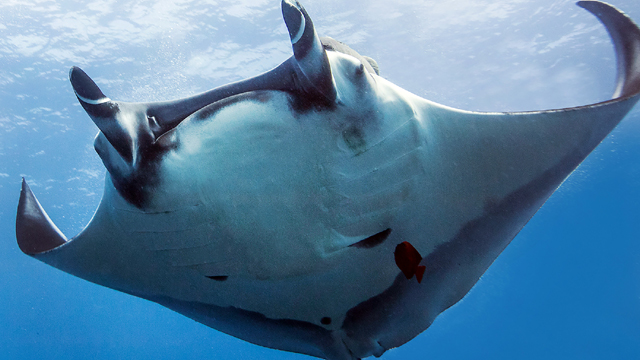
<point x="270" y="208"/>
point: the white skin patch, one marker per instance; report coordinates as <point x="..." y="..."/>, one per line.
<point x="93" y="102"/>
<point x="300" y="31"/>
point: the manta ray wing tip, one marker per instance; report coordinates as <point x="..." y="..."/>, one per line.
<point x="35" y="231"/>
<point x="625" y="35"/>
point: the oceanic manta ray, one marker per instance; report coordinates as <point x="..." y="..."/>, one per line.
<point x="317" y="208"/>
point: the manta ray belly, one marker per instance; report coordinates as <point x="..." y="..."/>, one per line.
<point x="271" y="212"/>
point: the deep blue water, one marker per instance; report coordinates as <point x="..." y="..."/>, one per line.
<point x="567" y="287"/>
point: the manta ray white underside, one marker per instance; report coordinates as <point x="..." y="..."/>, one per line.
<point x="293" y="209"/>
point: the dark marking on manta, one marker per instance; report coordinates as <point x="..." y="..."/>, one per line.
<point x="325" y="320"/>
<point x="373" y="240"/>
<point x="301" y="103"/>
<point x="209" y="111"/>
<point x="219" y="277"/>
<point x="354" y="138"/>
<point x="138" y="187"/>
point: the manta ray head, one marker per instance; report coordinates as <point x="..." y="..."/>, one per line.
<point x="322" y="75"/>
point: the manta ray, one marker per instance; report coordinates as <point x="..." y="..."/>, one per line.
<point x="317" y="208"/>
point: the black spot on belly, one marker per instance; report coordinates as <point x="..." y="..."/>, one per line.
<point x="354" y="138"/>
<point x="373" y="240"/>
<point x="325" y="320"/>
<point x="302" y="103"/>
<point x="219" y="277"/>
<point x="210" y="110"/>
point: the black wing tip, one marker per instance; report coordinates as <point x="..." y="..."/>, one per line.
<point x="625" y="34"/>
<point x="35" y="232"/>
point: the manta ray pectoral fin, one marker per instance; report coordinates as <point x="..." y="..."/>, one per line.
<point x="82" y="255"/>
<point x="35" y="231"/>
<point x="534" y="152"/>
<point x="508" y="166"/>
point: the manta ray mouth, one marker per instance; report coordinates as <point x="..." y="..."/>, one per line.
<point x="261" y="96"/>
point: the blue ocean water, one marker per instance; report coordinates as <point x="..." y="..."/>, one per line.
<point x="567" y="287"/>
